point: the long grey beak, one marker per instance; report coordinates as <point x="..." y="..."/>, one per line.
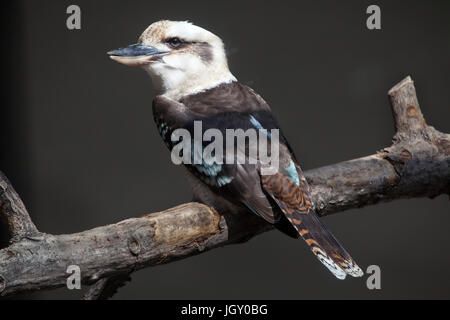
<point x="136" y="55"/>
<point x="134" y="50"/>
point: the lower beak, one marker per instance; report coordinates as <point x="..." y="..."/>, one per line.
<point x="136" y="55"/>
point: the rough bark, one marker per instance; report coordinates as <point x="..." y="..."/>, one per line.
<point x="14" y="213"/>
<point x="416" y="165"/>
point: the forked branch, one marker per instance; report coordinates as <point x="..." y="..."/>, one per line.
<point x="416" y="165"/>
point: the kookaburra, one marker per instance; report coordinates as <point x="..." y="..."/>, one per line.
<point x="189" y="69"/>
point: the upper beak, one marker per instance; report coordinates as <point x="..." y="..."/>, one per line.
<point x="136" y="55"/>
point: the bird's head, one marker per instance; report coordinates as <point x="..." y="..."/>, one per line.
<point x="180" y="57"/>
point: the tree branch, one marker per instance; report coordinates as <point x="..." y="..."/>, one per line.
<point x="14" y="213"/>
<point x="416" y="165"/>
<point x="105" y="288"/>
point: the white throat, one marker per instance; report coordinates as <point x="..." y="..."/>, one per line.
<point x="175" y="84"/>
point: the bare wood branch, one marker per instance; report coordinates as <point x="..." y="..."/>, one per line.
<point x="107" y="287"/>
<point x="416" y="165"/>
<point x="14" y="213"/>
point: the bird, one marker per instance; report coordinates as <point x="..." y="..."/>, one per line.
<point x="190" y="73"/>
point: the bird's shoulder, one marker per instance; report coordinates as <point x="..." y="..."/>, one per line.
<point x="228" y="104"/>
<point x="227" y="97"/>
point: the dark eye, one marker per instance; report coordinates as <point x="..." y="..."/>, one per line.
<point x="173" y="42"/>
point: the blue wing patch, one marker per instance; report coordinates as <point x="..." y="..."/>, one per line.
<point x="210" y="172"/>
<point x="163" y="130"/>
<point x="258" y="126"/>
<point x="292" y="173"/>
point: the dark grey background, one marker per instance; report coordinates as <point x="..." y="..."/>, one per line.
<point x="80" y="145"/>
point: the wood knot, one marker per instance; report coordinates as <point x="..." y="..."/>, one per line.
<point x="134" y="246"/>
<point x="412" y="112"/>
<point x="2" y="284"/>
<point x="405" y="154"/>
